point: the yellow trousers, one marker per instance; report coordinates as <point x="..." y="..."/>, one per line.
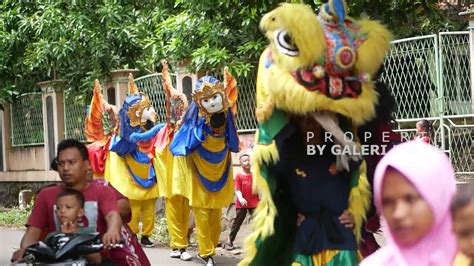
<point x="208" y="228"/>
<point x="177" y="219"/>
<point x="144" y="209"/>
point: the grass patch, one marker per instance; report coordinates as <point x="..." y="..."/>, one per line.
<point x="161" y="231"/>
<point x="14" y="217"/>
<point x="161" y="234"/>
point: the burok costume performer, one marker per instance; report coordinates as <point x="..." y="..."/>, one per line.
<point x="100" y="126"/>
<point x="173" y="185"/>
<point x="314" y="80"/>
<point x="129" y="164"/>
<point x="207" y="138"/>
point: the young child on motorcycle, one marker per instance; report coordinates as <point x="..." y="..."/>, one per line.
<point x="70" y="212"/>
<point x="100" y="207"/>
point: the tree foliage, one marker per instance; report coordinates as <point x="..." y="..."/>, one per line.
<point x="408" y="18"/>
<point x="212" y="33"/>
<point x="76" y="42"/>
<point x="79" y="41"/>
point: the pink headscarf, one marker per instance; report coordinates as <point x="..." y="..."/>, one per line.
<point x="430" y="172"/>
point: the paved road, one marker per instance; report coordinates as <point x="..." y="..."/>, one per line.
<point x="10" y="240"/>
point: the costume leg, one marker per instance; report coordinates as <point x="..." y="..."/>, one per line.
<point x="185" y="220"/>
<point x="215" y="221"/>
<point x="239" y="219"/>
<point x="148" y="216"/>
<point x="136" y="207"/>
<point x="192" y="225"/>
<point x="202" y="218"/>
<point x="177" y="219"/>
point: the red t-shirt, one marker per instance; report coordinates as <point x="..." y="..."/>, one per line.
<point x="118" y="196"/>
<point x="425" y="139"/>
<point x="243" y="182"/>
<point x="100" y="200"/>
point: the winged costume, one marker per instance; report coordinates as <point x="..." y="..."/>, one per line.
<point x="206" y="139"/>
<point x="173" y="185"/>
<point x="122" y="151"/>
<point x="100" y="126"/>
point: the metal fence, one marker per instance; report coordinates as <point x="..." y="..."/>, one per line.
<point x="429" y="76"/>
<point x="461" y="144"/>
<point x="26" y="118"/>
<point x="246" y="102"/>
<point x="410" y="69"/>
<point x="75" y="112"/>
<point x="455" y="72"/>
<point x="152" y="86"/>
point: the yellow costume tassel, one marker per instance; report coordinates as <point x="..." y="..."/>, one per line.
<point x="359" y="201"/>
<point x="265" y="153"/>
<point x="265" y="213"/>
<point x="371" y="54"/>
<point x="284" y="87"/>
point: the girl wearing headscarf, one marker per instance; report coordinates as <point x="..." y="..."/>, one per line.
<point x="413" y="197"/>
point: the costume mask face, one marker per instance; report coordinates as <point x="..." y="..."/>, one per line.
<point x="213" y="104"/>
<point x="210" y="97"/>
<point x="149" y="113"/>
<point x="321" y="62"/>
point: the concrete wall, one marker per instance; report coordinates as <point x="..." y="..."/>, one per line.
<point x="9" y="191"/>
<point x="31" y="163"/>
<point x="20" y="158"/>
<point x="26" y="159"/>
<point x="29" y="176"/>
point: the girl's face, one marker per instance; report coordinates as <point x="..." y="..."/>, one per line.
<point x="420" y="130"/>
<point x="463" y="226"/>
<point x="408" y="215"/>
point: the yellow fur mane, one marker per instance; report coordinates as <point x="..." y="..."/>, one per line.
<point x="304" y="30"/>
<point x="276" y="86"/>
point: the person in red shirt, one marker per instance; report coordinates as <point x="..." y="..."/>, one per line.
<point x="131" y="253"/>
<point x="423" y="130"/>
<point x="246" y="200"/>
<point x="101" y="211"/>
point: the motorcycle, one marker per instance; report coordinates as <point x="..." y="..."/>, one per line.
<point x="63" y="250"/>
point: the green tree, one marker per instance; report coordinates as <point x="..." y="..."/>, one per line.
<point x="216" y="32"/>
<point x="75" y="42"/>
<point x="408" y="18"/>
<point x="80" y="41"/>
<point x="211" y="33"/>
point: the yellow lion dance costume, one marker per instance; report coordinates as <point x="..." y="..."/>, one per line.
<point x="314" y="88"/>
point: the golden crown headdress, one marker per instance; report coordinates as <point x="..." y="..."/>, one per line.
<point x="135" y="111"/>
<point x="208" y="90"/>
